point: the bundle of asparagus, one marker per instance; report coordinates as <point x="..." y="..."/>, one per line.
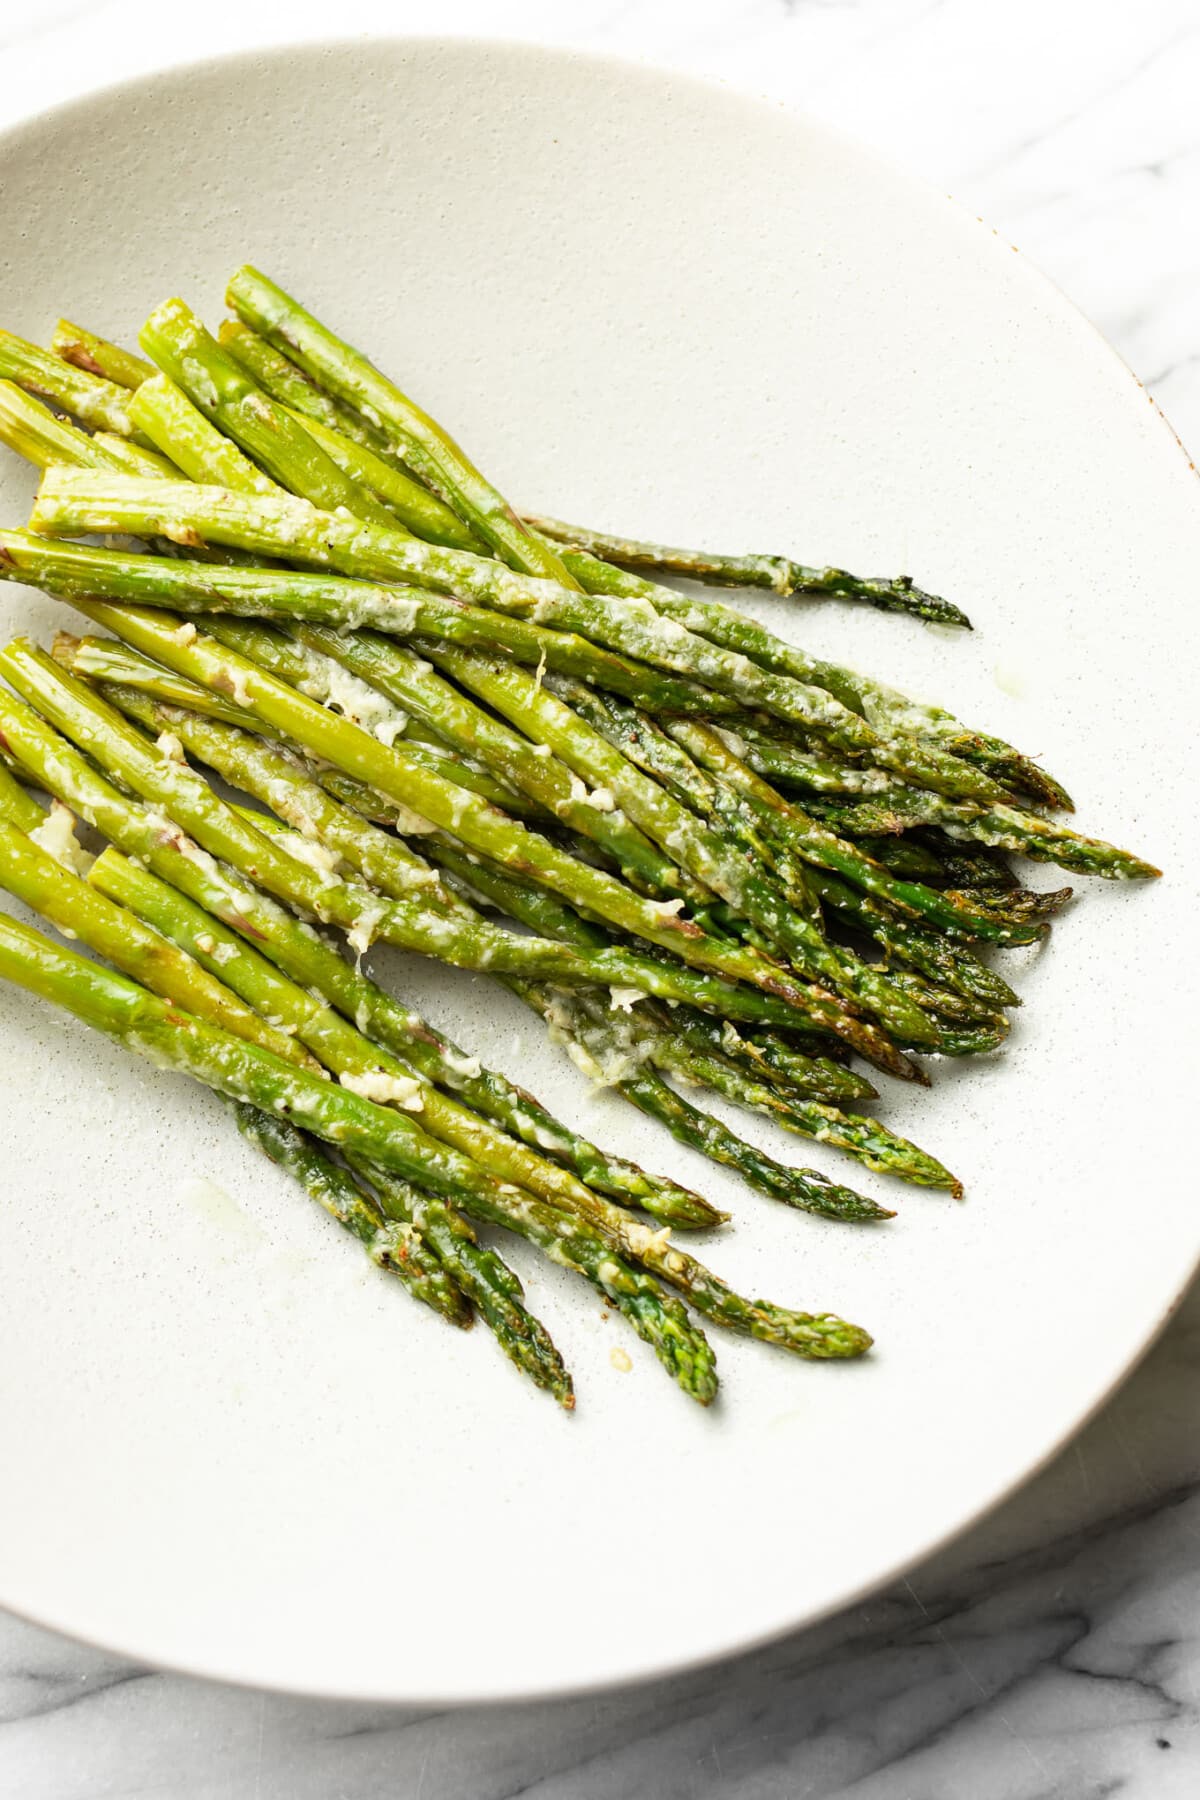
<point x="731" y="865"/>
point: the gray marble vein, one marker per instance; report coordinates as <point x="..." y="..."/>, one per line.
<point x="1053" y="1653"/>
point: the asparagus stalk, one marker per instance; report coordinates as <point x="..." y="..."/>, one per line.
<point x="41" y="437"/>
<point x="98" y="356"/>
<point x="769" y="1058"/>
<point x="777" y="998"/>
<point x="18" y="805"/>
<point x="136" y="459"/>
<point x="417" y="439"/>
<point x="777" y="574"/>
<point x="945" y="963"/>
<point x="340" y="1046"/>
<point x="282" y="938"/>
<point x="786" y="763"/>
<point x="892" y="715"/>
<point x="395" y="1245"/>
<point x="84" y="500"/>
<point x="815" y="844"/>
<point x="310" y="962"/>
<point x="865" y="1139"/>
<point x="483" y="1276"/>
<point x="1019" y="903"/>
<point x="633" y="1241"/>
<point x="286" y="382"/>
<point x="81" y="912"/>
<point x="604" y="1046"/>
<point x="862" y="1138"/>
<point x="192" y="804"/>
<point x="71" y="571"/>
<point x="108" y="661"/>
<point x="553" y="785"/>
<point x="437" y="460"/>
<point x="615" y="739"/>
<point x="99" y="403"/>
<point x="816" y="1076"/>
<point x="548" y="783"/>
<point x="38" y="879"/>
<point x="465" y="1082"/>
<point x="221" y="389"/>
<point x="244" y="1072"/>
<point x="165" y="415"/>
<point x="606" y="1055"/>
<point x="351" y="444"/>
<point x="1002" y="826"/>
<point x="906" y="858"/>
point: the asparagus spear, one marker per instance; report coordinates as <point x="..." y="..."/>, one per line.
<point x="97" y="402"/>
<point x="777" y="574"/>
<point x="816" y="1076"/>
<point x="191" y="803"/>
<point x="309" y="961"/>
<point x="356" y="446"/>
<point x="106" y="659"/>
<point x="98" y="355"/>
<point x="609" y="1057"/>
<point x="614" y="739"/>
<point x="1019" y="903"/>
<point x="85" y="500"/>
<point x="34" y="876"/>
<point x="136" y="459"/>
<point x="175" y="1040"/>
<point x="546" y="783"/>
<point x="109" y="661"/>
<point x="786" y="763"/>
<point x="606" y="1054"/>
<point x="286" y="382"/>
<point x="340" y="1046"/>
<point x="814" y="843"/>
<point x="221" y="389"/>
<point x="82" y="912"/>
<point x="631" y="1042"/>
<point x="397" y="1246"/>
<point x="863" y="1138"/>
<point x="418" y="440"/>
<point x="351" y="443"/>
<point x="425" y="448"/>
<point x="483" y="1276"/>
<point x="1002" y="826"/>
<point x="634" y="1242"/>
<point x="778" y="997"/>
<point x="892" y="715"/>
<point x="554" y="786"/>
<point x="165" y="415"/>
<point x="71" y="571"/>
<point x="41" y="437"/>
<point x="17" y="805"/>
<point x="464" y="1081"/>
<point x="906" y="858"/>
<point x="604" y="1045"/>
<point x="939" y="960"/>
<point x="768" y="1057"/>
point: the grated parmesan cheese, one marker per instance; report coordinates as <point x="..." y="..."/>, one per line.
<point x="386" y="1090"/>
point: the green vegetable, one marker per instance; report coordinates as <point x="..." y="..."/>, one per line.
<point x="777" y="574"/>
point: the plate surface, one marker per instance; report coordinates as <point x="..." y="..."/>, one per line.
<point x="230" y="1445"/>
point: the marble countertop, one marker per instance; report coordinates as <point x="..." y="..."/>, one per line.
<point x="1053" y="1653"/>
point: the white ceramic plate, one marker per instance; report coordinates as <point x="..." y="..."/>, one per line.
<point x="230" y="1445"/>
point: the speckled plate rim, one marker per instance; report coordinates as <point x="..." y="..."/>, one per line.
<point x="1175" y="1287"/>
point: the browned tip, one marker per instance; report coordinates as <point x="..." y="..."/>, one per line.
<point x="81" y="357"/>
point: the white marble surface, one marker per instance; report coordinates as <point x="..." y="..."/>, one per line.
<point x="1054" y="1652"/>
